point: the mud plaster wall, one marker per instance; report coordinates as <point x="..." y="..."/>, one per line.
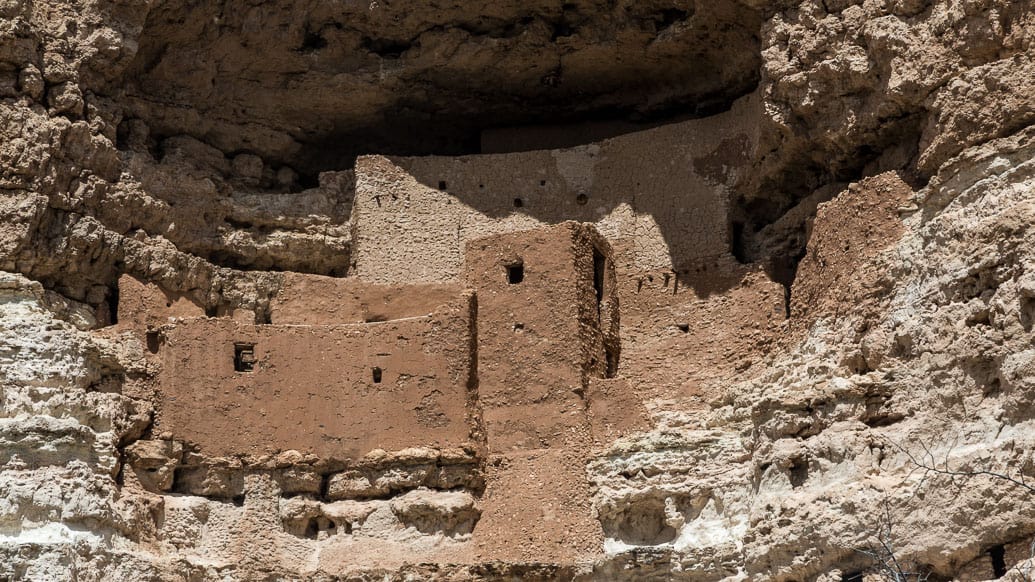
<point x="847" y="233"/>
<point x="662" y="190"/>
<point x="553" y="136"/>
<point x="661" y="197"/>
<point x="538" y="339"/>
<point x="312" y="388"/>
<point x="143" y="304"/>
<point x="540" y="342"/>
<point x="315" y="300"/>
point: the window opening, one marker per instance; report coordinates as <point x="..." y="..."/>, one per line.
<point x="799" y="472"/>
<point x="515" y="273"/>
<point x="599" y="270"/>
<point x="612" y="363"/>
<point x="112" y="300"/>
<point x="153" y="341"/>
<point x="244" y="357"/>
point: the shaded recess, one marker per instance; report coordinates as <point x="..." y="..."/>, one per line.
<point x="770" y="216"/>
<point x="311" y="84"/>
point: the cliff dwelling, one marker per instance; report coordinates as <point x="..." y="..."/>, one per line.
<point x="475" y="343"/>
<point x="575" y="291"/>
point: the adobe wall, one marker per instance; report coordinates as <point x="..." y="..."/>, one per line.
<point x="541" y="342"/>
<point x="312" y="388"/>
<point x="314" y="300"/>
<point x="143" y="304"/>
<point x="517" y="367"/>
<point x="659" y="195"/>
<point x="525" y="138"/>
<point x="540" y="339"/>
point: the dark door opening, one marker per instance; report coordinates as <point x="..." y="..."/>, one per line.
<point x="599" y="270"/>
<point x="998" y="556"/>
<point x="515" y="273"/>
<point x="112" y="301"/>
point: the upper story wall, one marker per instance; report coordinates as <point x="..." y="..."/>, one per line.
<point x="660" y="196"/>
<point x="336" y="391"/>
<point x="143" y="304"/>
<point x="314" y="300"/>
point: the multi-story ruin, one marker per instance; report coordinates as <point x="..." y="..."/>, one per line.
<point x="371" y="290"/>
<point x="473" y="357"/>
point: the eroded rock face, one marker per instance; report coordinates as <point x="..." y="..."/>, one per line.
<point x="425" y="77"/>
<point x="872" y="86"/>
<point x="787" y="476"/>
<point x="724" y="348"/>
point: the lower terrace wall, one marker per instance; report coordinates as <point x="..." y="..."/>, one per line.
<point x="661" y="196"/>
<point x="336" y="391"/>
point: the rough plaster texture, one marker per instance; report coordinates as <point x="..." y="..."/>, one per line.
<point x="328" y="390"/>
<point x="849" y="284"/>
<point x="552" y="321"/>
<point x="534" y="405"/>
<point x="313" y="300"/>
<point x="315" y="382"/>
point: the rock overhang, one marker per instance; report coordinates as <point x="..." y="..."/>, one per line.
<point x="419" y="78"/>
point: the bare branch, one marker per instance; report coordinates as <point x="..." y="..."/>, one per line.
<point x="927" y="462"/>
<point x="883" y="553"/>
<point x="881" y="550"/>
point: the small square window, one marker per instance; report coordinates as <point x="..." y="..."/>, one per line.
<point x="244" y="357"/>
<point x="515" y="273"/>
<point x="376" y="372"/>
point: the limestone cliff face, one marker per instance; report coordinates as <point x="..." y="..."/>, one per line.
<point x="760" y="301"/>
